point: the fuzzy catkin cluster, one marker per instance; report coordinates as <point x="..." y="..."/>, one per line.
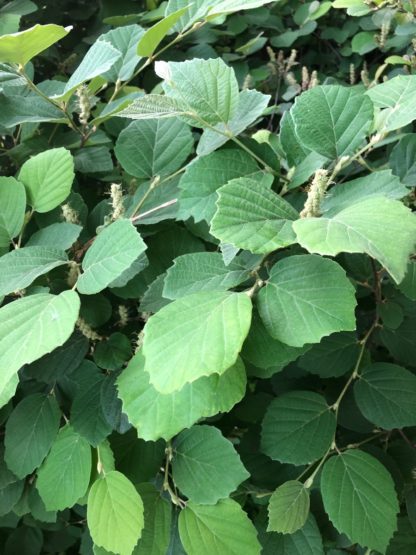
<point x="87" y="331"/>
<point x="116" y="193"/>
<point x="84" y="104"/>
<point x="316" y="194"/>
<point x="70" y="215"/>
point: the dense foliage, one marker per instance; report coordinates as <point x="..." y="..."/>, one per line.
<point x="208" y="277"/>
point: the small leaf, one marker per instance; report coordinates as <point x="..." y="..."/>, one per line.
<point x="221" y="529"/>
<point x="19" y="48"/>
<point x="334" y="356"/>
<point x="361" y="228"/>
<point x="208" y="88"/>
<point x="332" y="120"/>
<point x="288" y="508"/>
<point x="197" y="335"/>
<point x="124" y="39"/>
<point x="99" y="59"/>
<point x="267" y="353"/>
<point x="12" y="209"/>
<point x="205" y="465"/>
<point x="30" y="431"/>
<point x="298" y="428"/>
<point x="19" y="268"/>
<point x="27" y="109"/>
<point x="154" y="147"/>
<point x="385" y="394"/>
<point x="230" y="6"/>
<point x="154" y="106"/>
<point x="87" y="415"/>
<point x="48" y="178"/>
<point x="154" y="36"/>
<point x="60" y="236"/>
<point x="394" y="97"/>
<point x="307" y="540"/>
<point x="205" y="175"/>
<point x="64" y="476"/>
<point x="162" y="416"/>
<point x="112" y="253"/>
<point x="306" y="298"/>
<point x="377" y="184"/>
<point x="251" y="216"/>
<point x="32" y="326"/>
<point x="403" y="159"/>
<point x="202" y="271"/>
<point x="157" y="522"/>
<point x="115" y="513"/>
<point x="359" y="497"/>
<point x="251" y="105"/>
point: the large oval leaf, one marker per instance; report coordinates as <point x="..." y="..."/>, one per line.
<point x="359" y="497"/>
<point x="306" y="298"/>
<point x="195" y="336"/>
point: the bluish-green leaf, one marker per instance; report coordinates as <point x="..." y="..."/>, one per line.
<point x="197" y="335"/>
<point x="205" y="465"/>
<point x="306" y="298"/>
<point x="360" y="499"/>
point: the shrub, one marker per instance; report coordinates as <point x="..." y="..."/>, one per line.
<point x="207" y="276"/>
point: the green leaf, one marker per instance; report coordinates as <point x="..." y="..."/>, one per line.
<point x="12" y="209"/>
<point x="64" y="476"/>
<point x="332" y="120"/>
<point x="112" y="253"/>
<point x="60" y="236"/>
<point x="154" y="106"/>
<point x="19" y="48"/>
<point x="221" y="529"/>
<point x="395" y="98"/>
<point x="19" y="268"/>
<point x="251" y="216"/>
<point x="197" y="335"/>
<point x="403" y="160"/>
<point x="208" y="88"/>
<point x="359" y="497"/>
<point x="288" y="508"/>
<point x="296" y="152"/>
<point x="157" y="522"/>
<point x="202" y="271"/>
<point x="196" y="10"/>
<point x="162" y="416"/>
<point x="48" y="178"/>
<point x="361" y="228"/>
<point x="306" y="298"/>
<point x="87" y="415"/>
<point x="30" y="431"/>
<point x="334" y="356"/>
<point x="154" y="147"/>
<point x="251" y="105"/>
<point x="99" y="59"/>
<point x="124" y="39"/>
<point x="199" y="184"/>
<point x="306" y="541"/>
<point x="27" y="109"/>
<point x="115" y="513"/>
<point x="154" y="36"/>
<point x="205" y="465"/>
<point x="377" y="184"/>
<point x="94" y="159"/>
<point x="113" y="352"/>
<point x="32" y="326"/>
<point x="298" y="428"/>
<point x="230" y="6"/>
<point x="267" y="353"/>
<point x="408" y="285"/>
<point x="385" y="394"/>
